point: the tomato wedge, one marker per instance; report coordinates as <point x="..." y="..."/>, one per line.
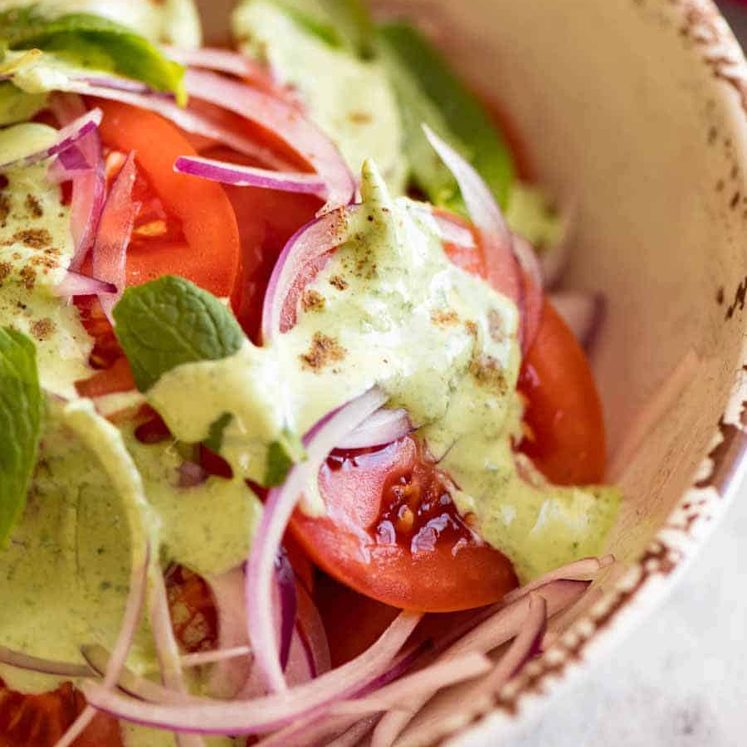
<point x="208" y="251"/>
<point x="393" y="533"/>
<point x="566" y="437"/>
<point x="41" y="720"/>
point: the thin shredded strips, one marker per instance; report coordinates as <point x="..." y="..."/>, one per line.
<point x="279" y="506"/>
<point x="454" y="709"/>
<point x="167" y="650"/>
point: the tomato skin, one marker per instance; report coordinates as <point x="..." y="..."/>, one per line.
<point x="564" y="411"/>
<point x="41" y="720"/>
<point x="210" y="256"/>
<point x="455" y="572"/>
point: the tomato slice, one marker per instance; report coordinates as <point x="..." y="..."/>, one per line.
<point x="209" y="254"/>
<point x="393" y="533"/>
<point x="266" y="219"/>
<point x="41" y="720"/>
<point x="566" y="437"/>
<point x="193" y="613"/>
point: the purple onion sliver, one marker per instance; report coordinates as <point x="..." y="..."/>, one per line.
<point x="66" y="137"/>
<point x="286" y="586"/>
<point x="19" y="660"/>
<point x="582" y="311"/>
<point x="76" y="284"/>
<point x="249" y="176"/>
<point x="381" y="429"/>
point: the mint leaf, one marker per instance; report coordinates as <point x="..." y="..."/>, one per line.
<point x="20" y="425"/>
<point x="95" y="42"/>
<point x="339" y="23"/>
<point x="169" y="322"/>
<point x="281" y="456"/>
<point x="214" y="441"/>
<point x="428" y="91"/>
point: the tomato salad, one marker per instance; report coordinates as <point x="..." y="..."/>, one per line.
<point x="295" y="428"/>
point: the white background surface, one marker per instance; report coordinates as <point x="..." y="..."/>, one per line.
<point x="680" y="679"/>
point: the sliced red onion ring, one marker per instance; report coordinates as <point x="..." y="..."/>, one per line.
<point x="308" y="244"/>
<point x="423" y="683"/>
<point x="582" y="311"/>
<point x="98" y="659"/>
<point x="89" y="186"/>
<point x="533" y="297"/>
<point x="186" y="119"/>
<point x="167" y="651"/>
<point x="450" y="229"/>
<point x="431" y="727"/>
<point x="285" y="581"/>
<point x="66" y="137"/>
<point x="75" y="284"/>
<point x="312" y="633"/>
<point x="382" y="428"/>
<point x="220" y="60"/>
<point x="286" y="122"/>
<point x="279" y="506"/>
<point x="261" y="714"/>
<point x="500" y="624"/>
<point x="130" y="622"/>
<point x="114" y="233"/>
<point x="20" y="660"/>
<point x="503" y="270"/>
<point x="227" y="677"/>
<point x="116" y="83"/>
<point x="202" y="658"/>
<point x="249" y="176"/>
<point x="585" y="569"/>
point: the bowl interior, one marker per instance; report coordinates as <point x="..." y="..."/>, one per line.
<point x="627" y="112"/>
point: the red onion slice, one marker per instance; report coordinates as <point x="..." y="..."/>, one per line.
<point x="382" y="428"/>
<point x="533" y="299"/>
<point x="202" y="658"/>
<point x="423" y="683"/>
<point x="279" y="506"/>
<point x="312" y="633"/>
<point x="114" y="233"/>
<point x="308" y="244"/>
<point x="227" y="677"/>
<point x="167" y="651"/>
<point x="89" y="186"/>
<point x="75" y="284"/>
<point x="261" y="714"/>
<point x="19" y="660"/>
<point x="186" y="119"/>
<point x="585" y="569"/>
<point x="285" y="582"/>
<point x="66" y="137"/>
<point x="249" y="176"/>
<point x="286" y="122"/>
<point x="582" y="311"/>
<point x="220" y="60"/>
<point x="430" y="728"/>
<point x="500" y="624"/>
<point x="503" y="271"/>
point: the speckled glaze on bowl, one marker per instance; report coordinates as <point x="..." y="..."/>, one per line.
<point x="635" y="109"/>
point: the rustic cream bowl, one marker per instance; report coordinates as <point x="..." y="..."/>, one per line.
<point x="635" y="109"/>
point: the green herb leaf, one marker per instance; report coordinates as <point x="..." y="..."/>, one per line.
<point x="281" y="456"/>
<point x="95" y="42"/>
<point x="169" y="322"/>
<point x="214" y="441"/>
<point x="429" y="92"/>
<point x="339" y="23"/>
<point x="20" y="425"/>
